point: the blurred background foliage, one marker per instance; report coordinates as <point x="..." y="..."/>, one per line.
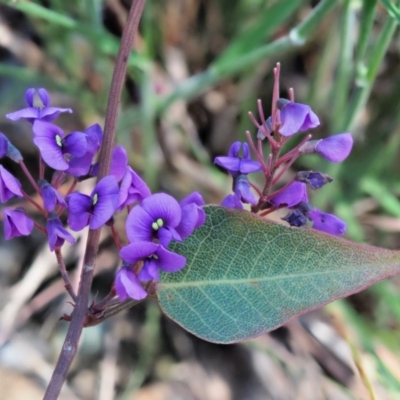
<point x="197" y="68"/>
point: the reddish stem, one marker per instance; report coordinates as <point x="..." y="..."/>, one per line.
<point x="29" y="176"/>
<point x="80" y="312"/>
<point x="115" y="237"/>
<point x="64" y="274"/>
<point x="284" y="169"/>
<point x="37" y="205"/>
<point x="40" y="227"/>
<point x="254" y="150"/>
<point x="293" y="152"/>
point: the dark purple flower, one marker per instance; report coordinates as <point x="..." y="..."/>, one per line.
<point x="31" y="113"/>
<point x="94" y="210"/>
<point x="296" y="117"/>
<point x="335" y="148"/>
<point x="235" y="163"/>
<point x="292" y="195"/>
<point x="296" y="218"/>
<point x="80" y="166"/>
<point x="127" y="285"/>
<point x="57" y="234"/>
<point x="242" y="189"/>
<point x="328" y="223"/>
<point x="3" y="145"/>
<point x="51" y="197"/>
<point x="53" y="144"/>
<point x="119" y="164"/>
<point x="155" y="218"/>
<point x="16" y="223"/>
<point x="154" y="256"/>
<point x="315" y="179"/>
<point x="133" y="188"/>
<point x="9" y="186"/>
<point x="232" y="201"/>
<point x="193" y="216"/>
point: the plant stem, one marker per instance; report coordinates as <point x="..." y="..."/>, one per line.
<point x="64" y="274"/>
<point x="79" y="314"/>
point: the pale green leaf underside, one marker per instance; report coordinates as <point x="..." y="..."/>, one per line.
<point x="245" y="276"/>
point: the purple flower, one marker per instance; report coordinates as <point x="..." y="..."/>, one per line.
<point x="315" y="179"/>
<point x="155" y="218"/>
<point x="335" y="148"/>
<point x="292" y="195"/>
<point x="51" y="197"/>
<point x="327" y="222"/>
<point x="232" y="201"/>
<point x="154" y="256"/>
<point x="14" y="154"/>
<point x="127" y="285"/>
<point x="236" y="164"/>
<point x="9" y="186"/>
<point x="241" y="188"/>
<point x="16" y="223"/>
<point x="296" y="117"/>
<point x="193" y="216"/>
<point x="80" y="166"/>
<point x="3" y="145"/>
<point x="57" y="234"/>
<point x="119" y="164"/>
<point x="31" y="113"/>
<point x="94" y="210"/>
<point x="296" y="218"/>
<point x="133" y="188"/>
<point x="52" y="143"/>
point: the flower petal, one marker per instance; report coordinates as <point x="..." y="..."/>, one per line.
<point x="169" y="261"/>
<point x="16" y="223"/>
<point x="292" y="195"/>
<point x="79" y="210"/>
<point x="133" y="188"/>
<point x="57" y="234"/>
<point x="107" y="201"/>
<point x="231" y="164"/>
<point x="297" y="117"/>
<point x="232" y="201"/>
<point x="134" y="252"/>
<point x="128" y="285"/>
<point x="164" y="206"/>
<point x="328" y="223"/>
<point x="9" y="186"/>
<point x="138" y="225"/>
<point x="249" y="166"/>
<point x="335" y="148"/>
<point x="75" y="143"/>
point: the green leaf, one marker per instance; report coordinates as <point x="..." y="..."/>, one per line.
<point x="246" y="276"/>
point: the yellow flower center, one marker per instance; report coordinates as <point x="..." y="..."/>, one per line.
<point x="157" y="224"/>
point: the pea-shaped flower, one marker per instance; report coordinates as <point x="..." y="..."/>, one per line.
<point x="32" y="113"/>
<point x="127" y="284"/>
<point x="9" y="185"/>
<point x="292" y="195"/>
<point x="53" y="144"/>
<point x="236" y="163"/>
<point x="16" y="223"/>
<point x="157" y="217"/>
<point x="94" y="210"/>
<point x="154" y="256"/>
<point x="296" y="117"/>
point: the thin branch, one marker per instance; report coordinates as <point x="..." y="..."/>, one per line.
<point x="79" y="314"/>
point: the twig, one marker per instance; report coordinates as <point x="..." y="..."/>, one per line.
<point x="80" y="311"/>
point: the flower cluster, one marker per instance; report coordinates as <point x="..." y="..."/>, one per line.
<point x="153" y="221"/>
<point x="288" y="118"/>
